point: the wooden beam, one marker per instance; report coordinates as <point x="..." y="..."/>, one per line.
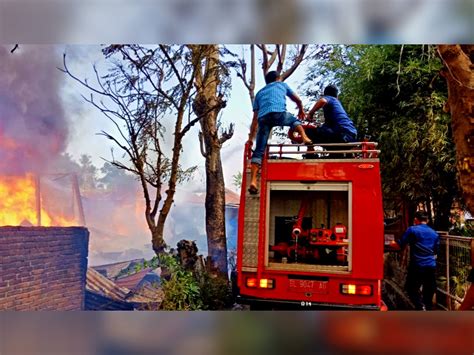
<point x="38" y="200"/>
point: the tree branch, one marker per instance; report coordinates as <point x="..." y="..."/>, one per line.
<point x="399" y="70"/>
<point x="272" y="58"/>
<point x="296" y="62"/>
<point x="198" y="118"/>
<point x="201" y="145"/>
<point x="170" y="61"/>
<point x="264" y="59"/>
<point x="281" y="57"/>
<point x="227" y="134"/>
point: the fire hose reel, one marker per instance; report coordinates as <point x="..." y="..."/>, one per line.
<point x="307" y="243"/>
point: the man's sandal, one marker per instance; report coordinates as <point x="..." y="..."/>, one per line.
<point x="253" y="190"/>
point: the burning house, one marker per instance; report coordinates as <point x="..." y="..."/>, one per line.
<point x="43" y="244"/>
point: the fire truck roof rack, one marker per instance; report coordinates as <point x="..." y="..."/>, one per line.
<point x="354" y="150"/>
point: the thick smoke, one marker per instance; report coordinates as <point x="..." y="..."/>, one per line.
<point x="33" y="126"/>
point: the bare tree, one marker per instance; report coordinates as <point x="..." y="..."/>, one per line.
<point x="242" y="72"/>
<point x="458" y="71"/>
<point x="287" y="61"/>
<point x="211" y="85"/>
<point x="142" y="87"/>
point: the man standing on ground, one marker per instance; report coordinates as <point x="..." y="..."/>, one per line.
<point x="424" y="245"/>
<point x="269" y="110"/>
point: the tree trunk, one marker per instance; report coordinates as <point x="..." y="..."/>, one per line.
<point x="409" y="212"/>
<point x="458" y="61"/>
<point x="215" y="213"/>
<point x="443" y="212"/>
<point x="208" y="104"/>
<point x="157" y="240"/>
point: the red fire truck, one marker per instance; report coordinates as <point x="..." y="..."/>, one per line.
<point x="313" y="236"/>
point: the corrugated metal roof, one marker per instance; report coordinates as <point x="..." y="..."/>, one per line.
<point x="97" y="302"/>
<point x="231" y="198"/>
<point x="147" y="298"/>
<point x="104" y="294"/>
<point x="132" y="282"/>
<point x="112" y="270"/>
<point x="100" y="284"/>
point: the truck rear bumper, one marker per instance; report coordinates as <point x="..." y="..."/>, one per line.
<point x="259" y="303"/>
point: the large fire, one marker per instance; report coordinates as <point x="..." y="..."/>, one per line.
<point x="19" y="205"/>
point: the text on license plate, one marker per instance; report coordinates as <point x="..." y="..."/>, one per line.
<point x="313" y="286"/>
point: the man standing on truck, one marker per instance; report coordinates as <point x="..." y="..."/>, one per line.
<point x="424" y="244"/>
<point x="269" y="110"/>
<point x="337" y="127"/>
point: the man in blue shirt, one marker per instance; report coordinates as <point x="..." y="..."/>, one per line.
<point x="269" y="110"/>
<point x="337" y="127"/>
<point x="424" y="245"/>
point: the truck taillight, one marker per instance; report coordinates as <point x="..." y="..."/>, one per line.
<point x="252" y="282"/>
<point x="262" y="283"/>
<point x="266" y="283"/>
<point x="361" y="290"/>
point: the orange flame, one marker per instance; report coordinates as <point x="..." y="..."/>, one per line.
<point x="18" y="204"/>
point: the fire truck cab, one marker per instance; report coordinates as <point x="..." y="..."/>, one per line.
<point x="313" y="235"/>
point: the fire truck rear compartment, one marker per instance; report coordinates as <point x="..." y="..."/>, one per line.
<point x="308" y="227"/>
<point x="312" y="235"/>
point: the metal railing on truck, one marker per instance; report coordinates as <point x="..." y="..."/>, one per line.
<point x="354" y="150"/>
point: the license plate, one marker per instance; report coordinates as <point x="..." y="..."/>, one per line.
<point x="312" y="286"/>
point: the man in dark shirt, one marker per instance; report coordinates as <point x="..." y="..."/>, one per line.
<point x="337" y="127"/>
<point x="424" y="245"/>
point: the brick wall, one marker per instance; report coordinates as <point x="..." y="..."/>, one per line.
<point x="43" y="268"/>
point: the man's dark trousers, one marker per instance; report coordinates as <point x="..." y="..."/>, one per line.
<point x="424" y="277"/>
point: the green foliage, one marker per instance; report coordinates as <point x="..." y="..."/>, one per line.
<point x="395" y="95"/>
<point x="237" y="180"/>
<point x="182" y="291"/>
<point x="459" y="271"/>
<point x="458" y="286"/>
<point x="463" y="231"/>
<point x="215" y="292"/>
<point x="185" y="290"/>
